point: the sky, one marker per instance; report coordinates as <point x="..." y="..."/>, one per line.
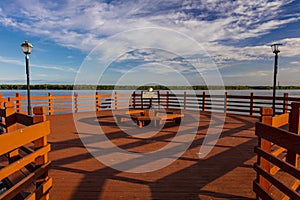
<point x="141" y="42"/>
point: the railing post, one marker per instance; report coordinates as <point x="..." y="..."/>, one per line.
<point x="1" y="121"/>
<point x="184" y="100"/>
<point x="98" y="102"/>
<point x="251" y="103"/>
<point x="10" y="122"/>
<point x="225" y="102"/>
<point x="285" y="102"/>
<point x="40" y="116"/>
<point x="167" y="100"/>
<point x="50" y="103"/>
<point x="142" y="102"/>
<point x="116" y="101"/>
<point x="203" y="101"/>
<point x="294" y="127"/>
<point x="1" y="101"/>
<point x="76" y="102"/>
<point x="158" y="99"/>
<point x="266" y="118"/>
<point x="18" y="102"/>
<point x="134" y="99"/>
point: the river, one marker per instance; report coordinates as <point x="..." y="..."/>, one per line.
<point x="12" y="93"/>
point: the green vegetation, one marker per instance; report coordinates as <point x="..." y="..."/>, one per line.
<point x="145" y="87"/>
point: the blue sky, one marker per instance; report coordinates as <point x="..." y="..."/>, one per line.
<point x="169" y="42"/>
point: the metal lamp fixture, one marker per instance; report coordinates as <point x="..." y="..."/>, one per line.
<point x="275" y="49"/>
<point x="27" y="48"/>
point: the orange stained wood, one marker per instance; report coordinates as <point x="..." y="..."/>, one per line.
<point x="278" y="149"/>
<point x="247" y="104"/>
<point x="26" y="169"/>
<point x="23" y="136"/>
<point x="225" y="173"/>
<point x="135" y="111"/>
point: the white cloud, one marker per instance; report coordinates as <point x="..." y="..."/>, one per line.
<point x="295" y="63"/>
<point x="20" y="63"/>
<point x="84" y="24"/>
<point x="260" y="73"/>
<point x="11" y="61"/>
<point x="290" y="46"/>
<point x="81" y="24"/>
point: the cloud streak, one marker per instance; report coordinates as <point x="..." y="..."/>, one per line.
<point x="82" y="24"/>
<point x="217" y="25"/>
<point x="19" y="63"/>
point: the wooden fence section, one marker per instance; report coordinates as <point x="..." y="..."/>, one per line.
<point x="24" y="162"/>
<point x="278" y="174"/>
<point x="249" y="105"/>
<point x="228" y="103"/>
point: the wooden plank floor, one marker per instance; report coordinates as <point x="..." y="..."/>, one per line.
<point x="226" y="173"/>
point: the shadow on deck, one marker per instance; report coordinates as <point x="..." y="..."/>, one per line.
<point x="226" y="173"/>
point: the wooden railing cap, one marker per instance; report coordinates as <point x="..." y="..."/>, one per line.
<point x="9" y="104"/>
<point x="266" y="111"/>
<point x="295" y="104"/>
<point x="41" y="110"/>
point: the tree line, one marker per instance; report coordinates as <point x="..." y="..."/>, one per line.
<point x="133" y="87"/>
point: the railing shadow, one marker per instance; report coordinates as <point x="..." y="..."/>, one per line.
<point x="187" y="178"/>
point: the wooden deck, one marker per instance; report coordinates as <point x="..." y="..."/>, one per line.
<point x="226" y="173"/>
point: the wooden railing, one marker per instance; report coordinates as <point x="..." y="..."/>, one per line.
<point x="278" y="174"/>
<point x="247" y="104"/>
<point x="227" y="103"/>
<point x="24" y="151"/>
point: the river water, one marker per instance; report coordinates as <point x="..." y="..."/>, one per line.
<point x="12" y="93"/>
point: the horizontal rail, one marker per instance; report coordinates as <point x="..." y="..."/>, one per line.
<point x="278" y="162"/>
<point x="280" y="120"/>
<point x="282" y="187"/>
<point x="23" y="136"/>
<point x="25" y="160"/>
<point x="277" y="151"/>
<point x="17" y="188"/>
<point x="280" y="137"/>
<point x="12" y="168"/>
<point x="243" y="104"/>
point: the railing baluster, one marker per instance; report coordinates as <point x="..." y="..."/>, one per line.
<point x="50" y="103"/>
<point x="294" y="127"/>
<point x="225" y="102"/>
<point x="116" y="101"/>
<point x="203" y="101"/>
<point x="184" y="100"/>
<point x="18" y="102"/>
<point x="167" y="101"/>
<point x="285" y="103"/>
<point x="266" y="118"/>
<point x="98" y="102"/>
<point x="251" y="103"/>
<point x="76" y="102"/>
<point x="10" y="122"/>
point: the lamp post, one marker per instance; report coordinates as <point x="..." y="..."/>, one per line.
<point x="27" y="47"/>
<point x="275" y="49"/>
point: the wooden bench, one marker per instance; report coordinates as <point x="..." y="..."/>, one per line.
<point x="144" y="117"/>
<point x="158" y="119"/>
<point x="129" y="114"/>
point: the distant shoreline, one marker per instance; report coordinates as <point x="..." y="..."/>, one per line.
<point x="132" y="87"/>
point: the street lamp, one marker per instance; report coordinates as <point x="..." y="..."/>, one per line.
<point x="275" y="49"/>
<point x="27" y="47"/>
